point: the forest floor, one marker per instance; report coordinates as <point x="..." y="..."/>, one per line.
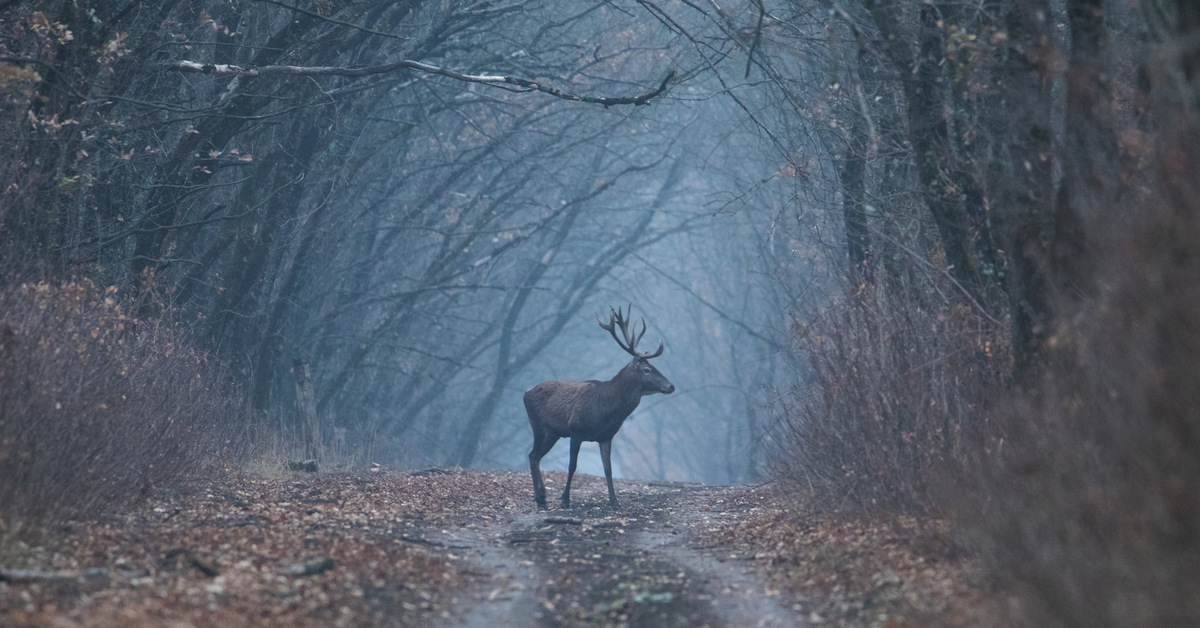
<point x="467" y="548"/>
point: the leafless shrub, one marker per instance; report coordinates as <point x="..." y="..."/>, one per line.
<point x="1086" y="500"/>
<point x="893" y="386"/>
<point x="98" y="408"/>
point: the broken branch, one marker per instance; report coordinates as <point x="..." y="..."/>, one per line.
<point x="310" y="568"/>
<point x="565" y="520"/>
<point x="511" y="83"/>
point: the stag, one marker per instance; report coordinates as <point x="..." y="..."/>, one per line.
<point x="591" y="411"/>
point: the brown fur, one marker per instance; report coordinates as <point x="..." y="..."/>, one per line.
<point x="590" y="411"/>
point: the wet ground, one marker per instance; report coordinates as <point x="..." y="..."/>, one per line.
<point x="637" y="566"/>
<point x="451" y="548"/>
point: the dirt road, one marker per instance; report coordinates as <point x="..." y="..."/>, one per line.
<point x="457" y="548"/>
<point x="638" y="566"/>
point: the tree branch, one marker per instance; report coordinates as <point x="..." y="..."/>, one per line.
<point x="496" y="80"/>
<point x="856" y="78"/>
<point x="331" y="20"/>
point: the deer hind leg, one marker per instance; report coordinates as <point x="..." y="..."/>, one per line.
<point x="606" y="457"/>
<point x="542" y="443"/>
<point x="566" y="496"/>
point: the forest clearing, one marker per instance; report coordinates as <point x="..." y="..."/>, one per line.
<point x="451" y="547"/>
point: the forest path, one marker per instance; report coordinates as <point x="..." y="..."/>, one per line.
<point x="465" y="548"/>
<point x="636" y="566"/>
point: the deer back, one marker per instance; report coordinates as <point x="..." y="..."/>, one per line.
<point x="594" y="410"/>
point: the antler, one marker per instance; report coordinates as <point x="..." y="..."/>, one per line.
<point x="616" y="318"/>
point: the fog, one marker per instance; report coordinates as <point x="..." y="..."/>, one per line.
<point x="434" y="239"/>
<point x="921" y="258"/>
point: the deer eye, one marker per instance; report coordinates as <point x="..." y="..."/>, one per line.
<point x="645" y="369"/>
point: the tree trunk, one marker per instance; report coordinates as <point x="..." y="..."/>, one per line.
<point x="1188" y="26"/>
<point x="943" y="183"/>
<point x="1090" y="180"/>
<point x="1025" y="198"/>
<point x="852" y="177"/>
<point x="306" y="411"/>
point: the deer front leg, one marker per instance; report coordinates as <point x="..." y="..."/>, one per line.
<point x="541" y="445"/>
<point x="566" y="496"/>
<point x="606" y="457"/>
<point x="539" y="488"/>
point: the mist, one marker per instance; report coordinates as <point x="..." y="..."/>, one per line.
<point x="432" y="245"/>
<point x="928" y="264"/>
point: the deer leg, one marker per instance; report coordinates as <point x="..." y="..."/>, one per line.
<point x="541" y="444"/>
<point x="606" y="457"/>
<point x="566" y="496"/>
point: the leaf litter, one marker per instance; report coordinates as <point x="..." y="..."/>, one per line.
<point x="455" y="547"/>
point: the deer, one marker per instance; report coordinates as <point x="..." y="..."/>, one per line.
<point x="592" y="411"/>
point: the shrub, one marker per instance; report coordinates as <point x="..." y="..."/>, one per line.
<point x="893" y="386"/>
<point x="97" y="408"/>
<point x="1086" y="501"/>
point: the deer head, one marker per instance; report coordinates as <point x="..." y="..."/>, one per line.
<point x="649" y="380"/>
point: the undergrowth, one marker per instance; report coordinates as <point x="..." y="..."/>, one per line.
<point x="1077" y="481"/>
<point x="892" y="390"/>
<point x="98" y="408"/>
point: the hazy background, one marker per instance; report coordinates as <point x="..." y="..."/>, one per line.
<point x="908" y="257"/>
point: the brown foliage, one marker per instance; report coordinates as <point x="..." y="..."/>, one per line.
<point x="300" y="551"/>
<point x="446" y="546"/>
<point x="898" y="571"/>
<point x="97" y="408"/>
<point x="1079" y="478"/>
<point x="894" y="384"/>
<point x="1087" y="499"/>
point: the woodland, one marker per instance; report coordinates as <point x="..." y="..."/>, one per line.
<point x="910" y="260"/>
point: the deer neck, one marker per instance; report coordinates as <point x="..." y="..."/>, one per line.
<point x="626" y="386"/>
